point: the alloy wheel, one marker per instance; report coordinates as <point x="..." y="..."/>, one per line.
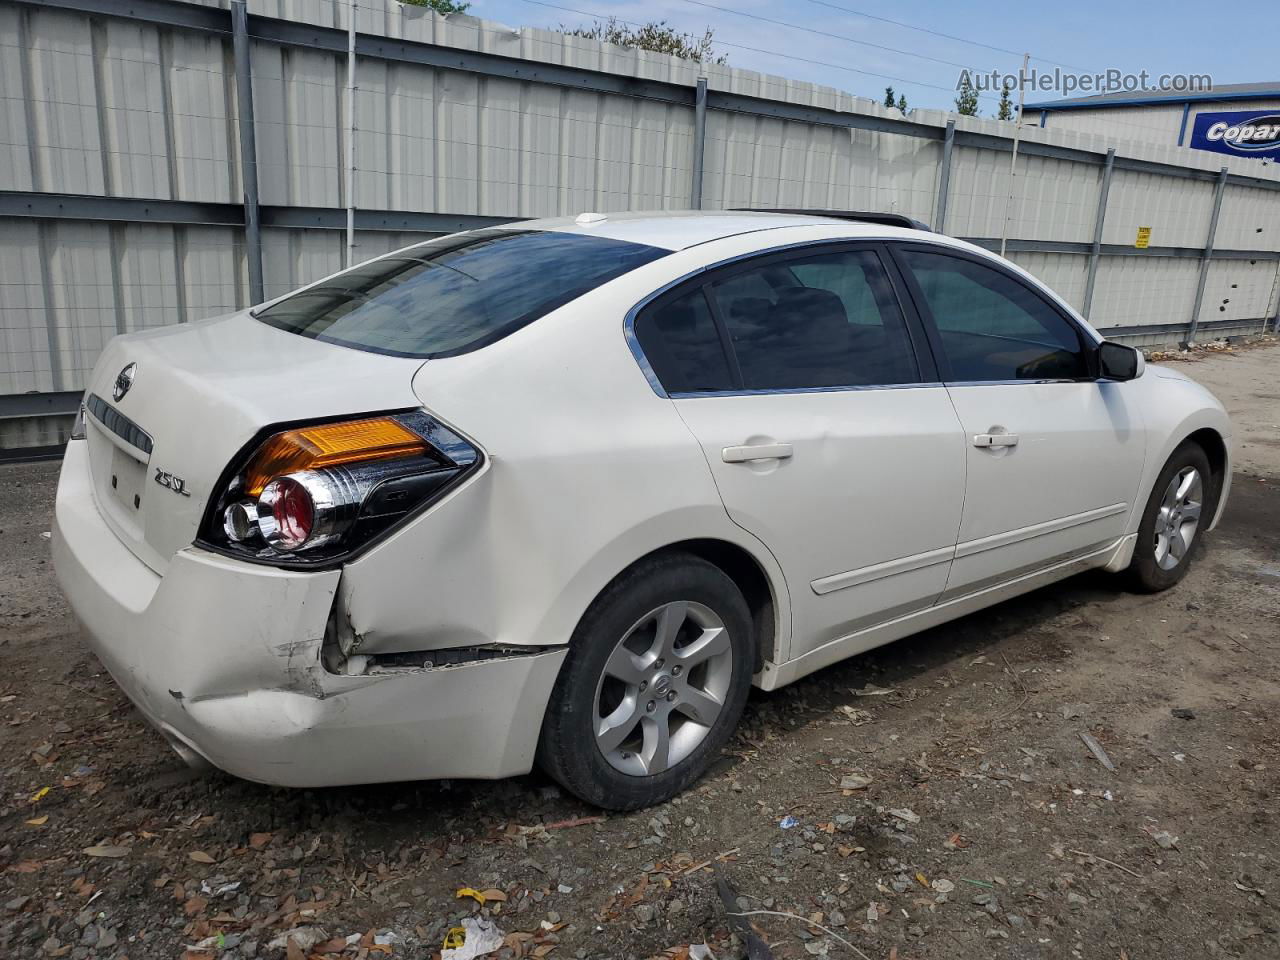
<point x="1179" y="517"/>
<point x="662" y="688"/>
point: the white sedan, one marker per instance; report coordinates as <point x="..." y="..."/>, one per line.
<point x="560" y="492"/>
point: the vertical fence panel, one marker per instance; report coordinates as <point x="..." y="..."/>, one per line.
<point x="1177" y="211"/>
<point x="24" y="359"/>
<point x="1142" y="291"/>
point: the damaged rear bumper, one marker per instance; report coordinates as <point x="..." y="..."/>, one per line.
<point x="225" y="659"/>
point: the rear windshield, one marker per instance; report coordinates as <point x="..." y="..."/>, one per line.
<point x="456" y="294"/>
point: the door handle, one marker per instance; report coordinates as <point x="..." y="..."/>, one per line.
<point x="995" y="440"/>
<point x="758" y="451"/>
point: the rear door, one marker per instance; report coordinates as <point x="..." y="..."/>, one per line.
<point x="1054" y="455"/>
<point x="824" y="425"/>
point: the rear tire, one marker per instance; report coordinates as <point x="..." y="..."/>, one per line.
<point x="655" y="681"/>
<point x="1178" y="511"/>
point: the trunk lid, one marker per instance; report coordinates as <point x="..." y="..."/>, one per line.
<point x="199" y="393"/>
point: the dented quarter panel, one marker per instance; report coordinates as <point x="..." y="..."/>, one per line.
<point x="224" y="658"/>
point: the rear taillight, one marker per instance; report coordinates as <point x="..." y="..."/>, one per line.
<point x="318" y="494"/>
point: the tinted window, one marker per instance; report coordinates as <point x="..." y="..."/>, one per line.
<point x="826" y="320"/>
<point x="680" y="340"/>
<point x="992" y="326"/>
<point x="452" y="295"/>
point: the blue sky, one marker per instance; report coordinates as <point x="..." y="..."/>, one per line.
<point x="1085" y="36"/>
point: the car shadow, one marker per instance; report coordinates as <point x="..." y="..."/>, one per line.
<point x="442" y="811"/>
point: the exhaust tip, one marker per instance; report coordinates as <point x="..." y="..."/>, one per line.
<point x="189" y="755"/>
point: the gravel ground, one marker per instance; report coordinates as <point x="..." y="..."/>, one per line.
<point x="977" y="822"/>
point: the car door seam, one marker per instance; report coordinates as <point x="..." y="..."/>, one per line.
<point x="964" y="494"/>
<point x="780" y="655"/>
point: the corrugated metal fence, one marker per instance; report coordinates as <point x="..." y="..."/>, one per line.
<point x="127" y="191"/>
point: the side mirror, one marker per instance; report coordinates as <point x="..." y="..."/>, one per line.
<point x="1118" y="362"/>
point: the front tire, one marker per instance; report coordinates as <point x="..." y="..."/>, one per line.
<point x="654" y="684"/>
<point x="1178" y="510"/>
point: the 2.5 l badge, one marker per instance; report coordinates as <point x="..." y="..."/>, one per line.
<point x="170" y="482"/>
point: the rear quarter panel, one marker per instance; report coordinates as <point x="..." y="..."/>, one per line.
<point x="587" y="470"/>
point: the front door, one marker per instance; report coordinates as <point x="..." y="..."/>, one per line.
<point x="1054" y="455"/>
<point x="823" y="434"/>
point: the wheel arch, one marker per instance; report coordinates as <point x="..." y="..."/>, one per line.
<point x="753" y="571"/>
<point x="745" y="571"/>
<point x="1176" y="409"/>
<point x="1214" y="445"/>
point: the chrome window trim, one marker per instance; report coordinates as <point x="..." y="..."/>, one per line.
<point x="856" y="388"/>
<point x="633" y="342"/>
<point x="1014" y="383"/>
<point x="694" y="394"/>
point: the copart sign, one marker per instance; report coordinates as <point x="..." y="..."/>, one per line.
<point x="1240" y="133"/>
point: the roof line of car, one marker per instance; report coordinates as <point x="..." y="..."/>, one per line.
<point x="789" y="226"/>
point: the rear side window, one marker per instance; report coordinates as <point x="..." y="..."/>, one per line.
<point x="453" y="295"/>
<point x="993" y="327"/>
<point x="680" y="340"/>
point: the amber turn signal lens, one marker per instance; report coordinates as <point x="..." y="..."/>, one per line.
<point x="327" y="445"/>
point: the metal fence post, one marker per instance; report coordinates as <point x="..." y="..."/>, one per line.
<point x="944" y="179"/>
<point x="1208" y="254"/>
<point x="351" y="133"/>
<point x="1274" y="322"/>
<point x="248" y="147"/>
<point x="699" y="142"/>
<point x="1096" y="253"/>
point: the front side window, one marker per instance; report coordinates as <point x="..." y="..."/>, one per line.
<point x="820" y="320"/>
<point x="449" y="296"/>
<point x="992" y="326"/>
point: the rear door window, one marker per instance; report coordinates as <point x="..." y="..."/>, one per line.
<point x="818" y="320"/>
<point x="450" y="296"/>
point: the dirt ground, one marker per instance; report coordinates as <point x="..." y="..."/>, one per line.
<point x="987" y="828"/>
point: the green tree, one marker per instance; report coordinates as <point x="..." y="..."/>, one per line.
<point x="1006" y="104"/>
<point x="902" y="103"/>
<point x="967" y="99"/>
<point x="888" y="97"/>
<point x="443" y="7"/>
<point x="658" y="36"/>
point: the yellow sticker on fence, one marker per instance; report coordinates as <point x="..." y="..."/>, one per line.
<point x="1144" y="238"/>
